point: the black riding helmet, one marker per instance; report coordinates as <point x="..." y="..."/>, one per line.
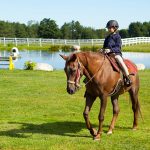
<point x="112" y="23"/>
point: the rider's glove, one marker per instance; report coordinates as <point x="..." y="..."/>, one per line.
<point x="107" y="51"/>
<point x="101" y="50"/>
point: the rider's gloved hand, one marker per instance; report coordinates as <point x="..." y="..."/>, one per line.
<point x="101" y="50"/>
<point x="107" y="50"/>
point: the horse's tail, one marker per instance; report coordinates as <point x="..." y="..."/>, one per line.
<point x="135" y="103"/>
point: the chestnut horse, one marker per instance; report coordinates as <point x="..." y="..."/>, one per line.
<point x="101" y="82"/>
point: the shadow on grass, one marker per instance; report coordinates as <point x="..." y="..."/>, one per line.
<point x="56" y="128"/>
<point x="66" y="128"/>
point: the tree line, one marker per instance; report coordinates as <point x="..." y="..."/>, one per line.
<point x="48" y="28"/>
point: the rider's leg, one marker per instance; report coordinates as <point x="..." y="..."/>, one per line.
<point x="122" y="64"/>
<point x="119" y="59"/>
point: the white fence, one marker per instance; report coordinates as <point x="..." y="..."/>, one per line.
<point x="41" y="42"/>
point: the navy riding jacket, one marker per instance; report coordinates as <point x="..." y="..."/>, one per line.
<point x="113" y="42"/>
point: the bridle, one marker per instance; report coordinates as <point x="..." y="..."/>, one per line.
<point x="78" y="74"/>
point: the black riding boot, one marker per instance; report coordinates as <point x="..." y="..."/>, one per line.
<point x="128" y="81"/>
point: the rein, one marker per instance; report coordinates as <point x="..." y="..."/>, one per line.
<point x="78" y="74"/>
<point x="96" y="72"/>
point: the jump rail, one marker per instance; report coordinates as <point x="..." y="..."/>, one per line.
<point x="4" y="60"/>
<point x="41" y="42"/>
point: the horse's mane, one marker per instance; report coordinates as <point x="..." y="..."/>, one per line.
<point x="94" y="55"/>
<point x="90" y="53"/>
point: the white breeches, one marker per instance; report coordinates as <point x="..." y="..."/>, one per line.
<point x="119" y="59"/>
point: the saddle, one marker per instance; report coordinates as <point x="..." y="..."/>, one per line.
<point x="132" y="68"/>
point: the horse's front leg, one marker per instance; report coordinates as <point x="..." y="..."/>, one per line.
<point x="89" y="102"/>
<point x="101" y="116"/>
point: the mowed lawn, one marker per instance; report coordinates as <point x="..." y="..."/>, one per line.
<point x="37" y="113"/>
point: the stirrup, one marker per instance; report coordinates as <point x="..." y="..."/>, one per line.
<point x="128" y="81"/>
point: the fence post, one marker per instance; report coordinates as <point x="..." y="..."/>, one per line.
<point x="65" y="41"/>
<point x="28" y="42"/>
<point x="16" y="41"/>
<point x="79" y="42"/>
<point x="53" y="42"/>
<point x="4" y="41"/>
<point x="40" y="42"/>
<point x="92" y="42"/>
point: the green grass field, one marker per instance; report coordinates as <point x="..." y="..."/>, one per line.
<point x="37" y="113"/>
<point x="137" y="48"/>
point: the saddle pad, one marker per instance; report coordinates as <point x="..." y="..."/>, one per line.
<point x="113" y="63"/>
<point x="131" y="66"/>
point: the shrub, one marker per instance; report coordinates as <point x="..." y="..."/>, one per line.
<point x="54" y="48"/>
<point x="29" y="65"/>
<point x="90" y="48"/>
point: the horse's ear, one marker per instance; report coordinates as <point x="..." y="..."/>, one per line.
<point x="73" y="57"/>
<point x="64" y="57"/>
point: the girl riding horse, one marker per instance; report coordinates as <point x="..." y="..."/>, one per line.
<point x="112" y="45"/>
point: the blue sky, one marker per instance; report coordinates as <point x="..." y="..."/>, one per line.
<point x="93" y="13"/>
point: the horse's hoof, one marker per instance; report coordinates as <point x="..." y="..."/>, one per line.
<point x="93" y="132"/>
<point x="134" y="129"/>
<point x="97" y="137"/>
<point x="109" y="132"/>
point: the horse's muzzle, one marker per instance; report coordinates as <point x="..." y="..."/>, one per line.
<point x="71" y="90"/>
<point x="72" y="87"/>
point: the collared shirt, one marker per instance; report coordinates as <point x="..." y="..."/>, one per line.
<point x="113" y="42"/>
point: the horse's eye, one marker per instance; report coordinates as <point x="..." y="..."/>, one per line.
<point x="72" y="70"/>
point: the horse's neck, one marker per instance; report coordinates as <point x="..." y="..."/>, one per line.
<point x="91" y="61"/>
<point x="83" y="59"/>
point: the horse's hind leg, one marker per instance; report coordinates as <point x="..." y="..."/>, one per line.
<point x="114" y="101"/>
<point x="89" y="102"/>
<point x="135" y="105"/>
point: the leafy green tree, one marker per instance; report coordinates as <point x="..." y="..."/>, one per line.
<point x="6" y="29"/>
<point x="101" y="33"/>
<point x="76" y="30"/>
<point x="89" y="33"/>
<point x="146" y="28"/>
<point x="72" y="30"/>
<point x="66" y="31"/>
<point x="48" y="29"/>
<point x="32" y="29"/>
<point x="124" y="33"/>
<point x="20" y="30"/>
<point x="135" y="29"/>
